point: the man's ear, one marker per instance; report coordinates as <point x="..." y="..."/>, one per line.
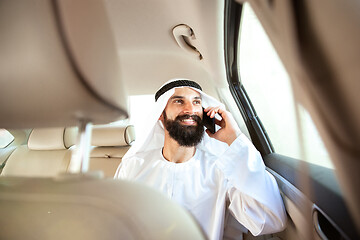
<point x="161" y="118"/>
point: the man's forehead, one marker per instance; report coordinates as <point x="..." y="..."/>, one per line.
<point x="186" y="92"/>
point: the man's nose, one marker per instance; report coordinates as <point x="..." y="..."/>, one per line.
<point x="189" y="108"/>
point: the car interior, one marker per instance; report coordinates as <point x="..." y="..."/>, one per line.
<point x="77" y="78"/>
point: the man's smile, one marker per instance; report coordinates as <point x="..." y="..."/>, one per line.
<point x="188" y="121"/>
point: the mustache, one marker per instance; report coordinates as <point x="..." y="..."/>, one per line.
<point x="188" y="116"/>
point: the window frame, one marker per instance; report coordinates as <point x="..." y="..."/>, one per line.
<point x="258" y="134"/>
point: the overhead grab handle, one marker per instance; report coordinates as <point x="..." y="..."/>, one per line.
<point x="183" y="35"/>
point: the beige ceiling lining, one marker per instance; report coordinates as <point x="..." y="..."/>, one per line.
<point x="157" y="68"/>
<point x="148" y="50"/>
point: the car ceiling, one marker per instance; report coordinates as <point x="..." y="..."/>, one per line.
<point x="149" y="54"/>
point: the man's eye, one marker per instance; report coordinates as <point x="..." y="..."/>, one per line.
<point x="178" y="101"/>
<point x="197" y="102"/>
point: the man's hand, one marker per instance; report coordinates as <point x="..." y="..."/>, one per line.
<point x="229" y="129"/>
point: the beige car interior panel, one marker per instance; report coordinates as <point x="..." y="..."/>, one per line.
<point x="90" y="39"/>
<point x="300" y="209"/>
<point x="157" y="54"/>
<point x="40" y="75"/>
<point x="86" y="208"/>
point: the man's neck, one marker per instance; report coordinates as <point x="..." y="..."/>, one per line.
<point x="173" y="152"/>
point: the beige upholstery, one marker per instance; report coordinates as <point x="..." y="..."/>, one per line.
<point x="106" y="136"/>
<point x="46" y="154"/>
<point x="109" y="146"/>
<point x="87" y="208"/>
<point x="51" y="74"/>
<point x="52" y="138"/>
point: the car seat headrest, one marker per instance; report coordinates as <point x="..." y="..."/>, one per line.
<point x="52" y="138"/>
<point x="64" y="77"/>
<point x="112" y="136"/>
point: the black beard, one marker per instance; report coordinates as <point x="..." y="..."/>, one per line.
<point x="186" y="136"/>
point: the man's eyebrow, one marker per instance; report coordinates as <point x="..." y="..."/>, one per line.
<point x="176" y="97"/>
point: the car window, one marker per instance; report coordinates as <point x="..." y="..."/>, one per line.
<point x="288" y="125"/>
<point x="5" y="138"/>
<point x="140" y="107"/>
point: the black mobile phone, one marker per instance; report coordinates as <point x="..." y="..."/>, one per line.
<point x="209" y="122"/>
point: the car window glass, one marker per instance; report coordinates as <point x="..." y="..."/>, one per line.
<point x="269" y="88"/>
<point x="140" y="107"/>
<point x="5" y="138"/>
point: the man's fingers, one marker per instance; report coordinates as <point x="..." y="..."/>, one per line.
<point x="211" y="111"/>
<point x="222" y="113"/>
<point x="207" y="109"/>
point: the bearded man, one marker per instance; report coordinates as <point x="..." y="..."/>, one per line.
<point x="202" y="171"/>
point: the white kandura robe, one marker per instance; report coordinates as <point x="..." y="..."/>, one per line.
<point x="203" y="183"/>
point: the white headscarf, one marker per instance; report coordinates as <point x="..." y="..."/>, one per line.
<point x="152" y="131"/>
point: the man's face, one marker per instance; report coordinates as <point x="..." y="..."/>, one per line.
<point x="182" y="117"/>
